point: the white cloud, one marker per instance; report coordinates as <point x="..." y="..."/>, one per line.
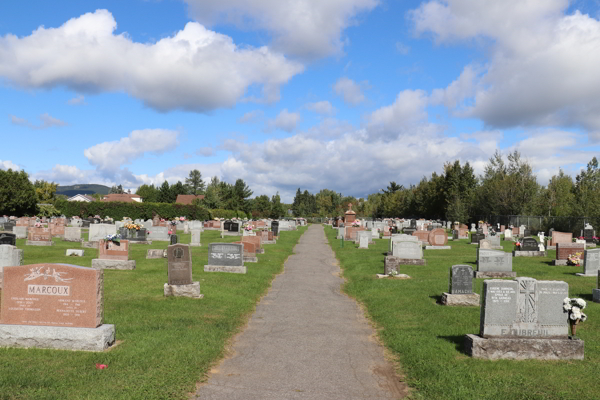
<point x="47" y="121"/>
<point x="76" y="101"/>
<point x="250" y="116"/>
<point x="195" y="70"/>
<point x="403" y="115"/>
<point x="321" y="107"/>
<point x="543" y="66"/>
<point x="205" y="151"/>
<point x="109" y="156"/>
<point x="7" y="164"/>
<point x="350" y="91"/>
<point x="402" y="48"/>
<point x="285" y="121"/>
<point x="305" y="28"/>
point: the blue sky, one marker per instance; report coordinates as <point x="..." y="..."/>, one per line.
<point x="340" y="94"/>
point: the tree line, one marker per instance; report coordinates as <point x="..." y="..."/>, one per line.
<point x="506" y="187"/>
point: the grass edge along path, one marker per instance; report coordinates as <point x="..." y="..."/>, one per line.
<point x="166" y="345"/>
<point x="427" y="338"/>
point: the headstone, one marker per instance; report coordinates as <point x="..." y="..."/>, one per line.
<point x="67" y="300"/>
<point x="195" y="241"/>
<point x="559" y="237"/>
<point x="508" y="234"/>
<point x="8" y="238"/>
<point x="225" y="257"/>
<point x="113" y="255"/>
<point x="485" y="244"/>
<point x="179" y="265"/>
<point x="529" y="244"/>
<point x="461" y="279"/>
<point x="10" y="256"/>
<point x="438" y="237"/>
<point x="156" y="253"/>
<point x="174" y="239"/>
<point x="524" y="318"/>
<point x="588" y="233"/>
<point x="363" y="241"/>
<point x="564" y="250"/>
<point x="476" y="237"/>
<point x="257" y="240"/>
<point x="39" y="237"/>
<point x="75" y="253"/>
<point x="494" y="263"/>
<point x="423" y="236"/>
<point x="158" y="233"/>
<point x="591" y="262"/>
<point x="100" y="231"/>
<point x="275" y="227"/>
<point x="72" y="234"/>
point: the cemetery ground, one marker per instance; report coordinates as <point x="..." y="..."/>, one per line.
<point x="427" y="338"/>
<point x="164" y="345"/>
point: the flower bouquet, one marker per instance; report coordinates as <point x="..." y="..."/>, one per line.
<point x="137" y="227"/>
<point x="248" y="227"/>
<point x="356" y="223"/>
<point x="574" y="259"/>
<point x="182" y="218"/>
<point x="116" y="238"/>
<point x="38" y="225"/>
<point x="574" y="307"/>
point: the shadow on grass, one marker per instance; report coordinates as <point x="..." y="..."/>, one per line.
<point x="586" y="296"/>
<point x="458" y="341"/>
<point x="437" y="298"/>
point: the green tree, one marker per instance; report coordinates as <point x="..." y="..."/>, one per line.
<point x="148" y="193"/>
<point x="393" y="187"/>
<point x="587" y="190"/>
<point x="277" y="208"/>
<point x="261" y="207"/>
<point x="507" y="189"/>
<point x="44" y="190"/>
<point x="17" y="194"/>
<point x="164" y="193"/>
<point x="238" y="194"/>
<point x="176" y="190"/>
<point x="116" y="190"/>
<point x="212" y="196"/>
<point x="459" y="188"/>
<point x="558" y="198"/>
<point x="194" y="182"/>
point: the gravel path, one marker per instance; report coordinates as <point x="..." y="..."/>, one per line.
<point x="306" y="340"/>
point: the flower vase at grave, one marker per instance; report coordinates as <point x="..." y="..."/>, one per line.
<point x="574" y="327"/>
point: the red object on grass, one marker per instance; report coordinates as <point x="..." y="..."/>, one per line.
<point x="101" y="366"/>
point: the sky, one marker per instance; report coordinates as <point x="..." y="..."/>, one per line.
<point x="347" y="95"/>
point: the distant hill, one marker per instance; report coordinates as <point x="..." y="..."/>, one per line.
<point x="72" y="190"/>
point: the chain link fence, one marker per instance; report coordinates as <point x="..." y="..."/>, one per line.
<point x="537" y="223"/>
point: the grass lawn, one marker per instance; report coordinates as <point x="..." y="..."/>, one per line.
<point x="166" y="345"/>
<point x="428" y="338"/>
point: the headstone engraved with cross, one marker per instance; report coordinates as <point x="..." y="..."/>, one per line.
<point x="524" y="319"/>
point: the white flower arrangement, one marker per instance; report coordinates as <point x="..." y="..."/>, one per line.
<point x="393" y="273"/>
<point x="574" y="307"/>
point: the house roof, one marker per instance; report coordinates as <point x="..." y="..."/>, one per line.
<point x="188" y="198"/>
<point x="83" y="196"/>
<point x="126" y="198"/>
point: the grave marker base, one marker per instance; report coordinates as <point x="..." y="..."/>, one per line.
<point x="113" y="264"/>
<point x="550" y="247"/>
<point x="75" y="252"/>
<point x="132" y="241"/>
<point x="252" y="259"/>
<point x="225" y="268"/>
<point x="559" y="262"/>
<point x="523" y="349"/>
<point x="39" y="243"/>
<point x="492" y="274"/>
<point x="449" y="299"/>
<point x="595" y="275"/>
<point x="518" y="253"/>
<point x="438" y="247"/>
<point x="57" y="337"/>
<point x="397" y="276"/>
<point x="192" y="290"/>
<point x="596" y="295"/>
<point x="89" y="245"/>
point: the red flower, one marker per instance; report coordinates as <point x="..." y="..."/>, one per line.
<point x="101" y="366"/>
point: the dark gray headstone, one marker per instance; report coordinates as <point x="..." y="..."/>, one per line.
<point x="529" y="244"/>
<point x="461" y="279"/>
<point x="179" y="264"/>
<point x="174" y="239"/>
<point x="476" y="237"/>
<point x="8" y="238"/>
<point x="226" y="254"/>
<point x="275" y="227"/>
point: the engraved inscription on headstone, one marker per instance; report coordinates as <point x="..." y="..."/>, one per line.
<point x="225" y="254"/>
<point x="179" y="265"/>
<point x="525" y="308"/>
<point x="461" y="279"/>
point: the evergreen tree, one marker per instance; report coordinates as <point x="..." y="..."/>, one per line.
<point x="148" y="193"/>
<point x="164" y="193"/>
<point x="194" y="183"/>
<point x="17" y="194"/>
